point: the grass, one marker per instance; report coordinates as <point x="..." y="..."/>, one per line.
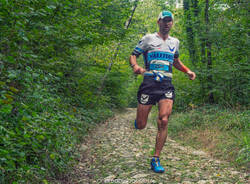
<point x="223" y="133"/>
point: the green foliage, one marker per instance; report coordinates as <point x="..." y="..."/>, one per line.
<point x="227" y="131"/>
<point x="133" y="85"/>
<point x="39" y="130"/>
<point x="219" y="31"/>
<point x="55" y="82"/>
<point x="115" y="90"/>
<point x="48" y="91"/>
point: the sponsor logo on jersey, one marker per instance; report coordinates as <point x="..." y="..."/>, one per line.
<point x="171" y="49"/>
<point x="158" y="67"/>
<point x="144" y="98"/>
<point x="164" y="56"/>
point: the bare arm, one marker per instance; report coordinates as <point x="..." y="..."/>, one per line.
<point x="180" y="66"/>
<point x="136" y="68"/>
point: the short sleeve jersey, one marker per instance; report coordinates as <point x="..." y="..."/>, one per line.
<point x="158" y="54"/>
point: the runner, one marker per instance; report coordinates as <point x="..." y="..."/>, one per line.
<point x="160" y="52"/>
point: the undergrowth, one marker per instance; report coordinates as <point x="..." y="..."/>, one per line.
<point x="224" y="133"/>
<point x="41" y="128"/>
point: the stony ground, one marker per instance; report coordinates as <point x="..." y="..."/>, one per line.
<point x="117" y="153"/>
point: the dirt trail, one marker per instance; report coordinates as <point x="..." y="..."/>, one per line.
<point x="117" y="153"/>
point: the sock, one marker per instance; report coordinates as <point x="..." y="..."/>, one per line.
<point x="136" y="125"/>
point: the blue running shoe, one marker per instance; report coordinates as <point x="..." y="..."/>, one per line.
<point x="136" y="125"/>
<point x="156" y="166"/>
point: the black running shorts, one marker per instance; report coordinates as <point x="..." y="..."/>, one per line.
<point x="151" y="91"/>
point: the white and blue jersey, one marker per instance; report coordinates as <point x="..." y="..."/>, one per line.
<point x="158" y="54"/>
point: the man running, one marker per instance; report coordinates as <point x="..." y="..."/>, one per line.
<point x="160" y="52"/>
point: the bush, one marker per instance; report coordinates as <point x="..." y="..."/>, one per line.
<point x="222" y="132"/>
<point x="39" y="129"/>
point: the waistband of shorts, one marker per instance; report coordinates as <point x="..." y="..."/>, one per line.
<point x="165" y="79"/>
<point x="166" y="76"/>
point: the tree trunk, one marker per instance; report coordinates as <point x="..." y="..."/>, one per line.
<point x="209" y="56"/>
<point x="190" y="32"/>
<point x="127" y="24"/>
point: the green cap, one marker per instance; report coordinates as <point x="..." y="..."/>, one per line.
<point x="164" y="14"/>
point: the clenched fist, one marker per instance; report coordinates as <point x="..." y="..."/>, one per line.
<point x="138" y="70"/>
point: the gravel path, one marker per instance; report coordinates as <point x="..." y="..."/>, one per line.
<point x="117" y="153"/>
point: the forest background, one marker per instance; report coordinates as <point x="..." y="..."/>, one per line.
<point x="64" y="68"/>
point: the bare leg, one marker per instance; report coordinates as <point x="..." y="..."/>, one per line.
<point x="142" y="115"/>
<point x="165" y="109"/>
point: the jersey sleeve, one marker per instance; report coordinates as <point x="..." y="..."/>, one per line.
<point x="141" y="47"/>
<point x="176" y="54"/>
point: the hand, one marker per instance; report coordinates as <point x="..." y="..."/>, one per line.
<point x="138" y="70"/>
<point x="191" y="75"/>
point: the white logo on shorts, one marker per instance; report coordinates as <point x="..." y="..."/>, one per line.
<point x="144" y="98"/>
<point x="169" y="94"/>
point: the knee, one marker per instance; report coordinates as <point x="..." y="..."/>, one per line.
<point x="163" y="122"/>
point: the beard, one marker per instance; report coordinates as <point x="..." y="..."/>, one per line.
<point x="164" y="30"/>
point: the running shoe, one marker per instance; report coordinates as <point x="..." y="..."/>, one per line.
<point x="156" y="166"/>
